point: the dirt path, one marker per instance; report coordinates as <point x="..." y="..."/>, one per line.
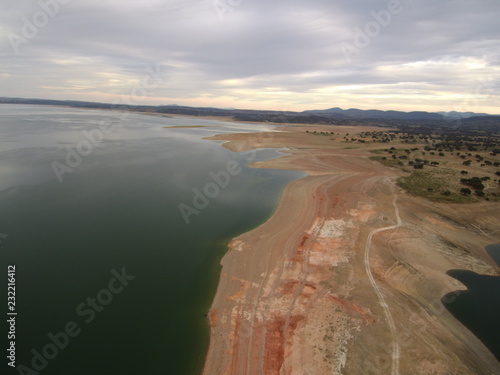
<point x="383" y="303"/>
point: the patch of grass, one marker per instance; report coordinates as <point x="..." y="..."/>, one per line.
<point x="438" y="177"/>
<point x="431" y="186"/>
<point x="388" y="161"/>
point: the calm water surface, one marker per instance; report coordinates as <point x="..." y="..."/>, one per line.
<point x="478" y="307"/>
<point x="494" y="252"/>
<point x="119" y="209"/>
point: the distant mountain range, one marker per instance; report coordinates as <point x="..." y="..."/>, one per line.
<point x="455" y="114"/>
<point x="334" y="116"/>
<point x="391" y="115"/>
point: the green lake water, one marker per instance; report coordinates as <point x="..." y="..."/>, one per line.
<point x="119" y="209"/>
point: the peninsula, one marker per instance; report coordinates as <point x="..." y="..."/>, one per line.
<point x="348" y="276"/>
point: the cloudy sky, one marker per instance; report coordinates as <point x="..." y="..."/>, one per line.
<point x="264" y="54"/>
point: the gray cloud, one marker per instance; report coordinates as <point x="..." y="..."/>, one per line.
<point x="430" y="55"/>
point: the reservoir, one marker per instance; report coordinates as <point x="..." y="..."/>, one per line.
<point x="494" y="252"/>
<point x="91" y="220"/>
<point x="478" y="307"/>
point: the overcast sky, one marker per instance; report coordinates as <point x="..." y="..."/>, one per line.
<point x="434" y="55"/>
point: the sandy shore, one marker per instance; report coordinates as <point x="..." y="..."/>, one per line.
<point x="346" y="277"/>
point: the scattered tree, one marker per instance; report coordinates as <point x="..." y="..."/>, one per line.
<point x="465" y="191"/>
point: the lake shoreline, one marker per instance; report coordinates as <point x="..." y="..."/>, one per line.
<point x="294" y="296"/>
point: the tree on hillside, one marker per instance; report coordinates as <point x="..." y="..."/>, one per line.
<point x="474" y="182"/>
<point x="465" y="191"/>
